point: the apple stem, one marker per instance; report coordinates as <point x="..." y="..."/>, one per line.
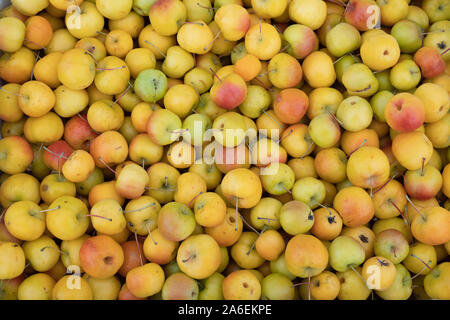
<point x="193" y="199"/>
<point x="35" y="61"/>
<point x="237" y="215"/>
<point x="150" y="235"/>
<point x="262" y="83"/>
<point x="212" y="41"/>
<point x="123" y="93"/>
<point x="137" y="245"/>
<point x="205" y="7"/>
<point x="414" y="206"/>
<point x="12" y="93"/>
<point x="89" y="52"/>
<point x="36" y="44"/>
<point x="335" y="118"/>
<point x="325" y="207"/>
<point x="423" y="167"/>
<point x="307" y="150"/>
<point x="159" y="189"/>
<point x="156" y="48"/>
<point x="431" y="32"/>
<point x="267" y="219"/>
<point x="254" y="242"/>
<point x="107" y="35"/>
<point x="215" y="74"/>
<point x="337" y="60"/>
<point x="48" y="247"/>
<point x="398" y="209"/>
<point x="351" y="55"/>
<point x="187" y="259"/>
<point x="82" y="118"/>
<point x="357" y="148"/>
<point x="61" y="155"/>
<point x="111" y="69"/>
<point x="426" y="264"/>
<point x="286" y="189"/>
<point x="309" y="285"/>
<point x="285" y="47"/>
<point x="140" y="209"/>
<point x="384" y="185"/>
<point x="338" y="2"/>
<point x="360" y="276"/>
<point x="94" y="215"/>
<point x="249" y="225"/>
<point x="279" y="31"/>
<point x="106" y="165"/>
<point x="52" y="209"/>
<point x="289" y="133"/>
<point x="197" y="23"/>
<point x="298" y="284"/>
<point x="267" y="114"/>
<point x="445" y="51"/>
<point x="260" y="29"/>
<point x="419" y="273"/>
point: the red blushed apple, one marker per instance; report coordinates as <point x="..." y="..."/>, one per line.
<point x="430" y="62"/>
<point x="423" y="184"/>
<point x="228" y="159"/>
<point x="290" y="105"/>
<point x="230" y="92"/>
<point x="78" y="134"/>
<point x="360" y="14"/>
<point x="56" y="154"/>
<point x="404" y="112"/>
<point x="101" y="257"/>
<point x="133" y="256"/>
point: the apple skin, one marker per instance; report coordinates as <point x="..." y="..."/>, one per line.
<point x="151" y="85"/>
<point x="16" y="154"/>
<point x="302" y="40"/>
<point x="423" y="184"/>
<point x="101" y="257"/>
<point x="78" y="133"/>
<point x="358" y="13"/>
<point x="404" y="112"/>
<point x="430" y="61"/>
<point x="290" y="105"/>
<point x="345" y="252"/>
<point x="354" y="205"/>
<point x="59" y="152"/>
<point x="391" y="244"/>
<point x="230" y="92"/>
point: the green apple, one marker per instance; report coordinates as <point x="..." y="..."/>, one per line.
<point x="343" y="38"/>
<point x="279" y="180"/>
<point x="401" y="289"/>
<point x="405" y="75"/>
<point x="408" y="35"/>
<point x="345" y="253"/>
<point x="212" y="287"/>
<point x="151" y="85"/>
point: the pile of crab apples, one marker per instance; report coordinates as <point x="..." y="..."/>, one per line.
<point x="226" y="149"/>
